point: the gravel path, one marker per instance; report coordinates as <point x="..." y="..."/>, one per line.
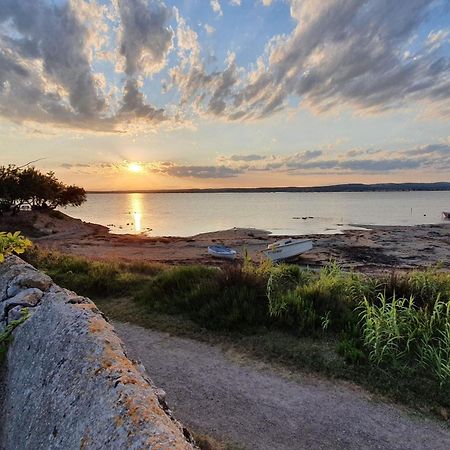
<point x="259" y="408"/>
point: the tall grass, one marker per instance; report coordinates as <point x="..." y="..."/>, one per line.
<point x="93" y="278"/>
<point x="230" y="298"/>
<point x="394" y="327"/>
<point x="398" y="333"/>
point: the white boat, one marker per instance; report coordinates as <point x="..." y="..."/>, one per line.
<point x="288" y="248"/>
<point x="220" y="251"/>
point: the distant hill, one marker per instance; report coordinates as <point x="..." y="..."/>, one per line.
<point x="352" y="187"/>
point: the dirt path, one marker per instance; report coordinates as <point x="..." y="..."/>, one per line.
<point x="258" y="408"/>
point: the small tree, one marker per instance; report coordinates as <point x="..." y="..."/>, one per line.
<point x="39" y="190"/>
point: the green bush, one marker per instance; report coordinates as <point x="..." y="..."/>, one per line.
<point x="91" y="278"/>
<point x="12" y="243"/>
<point x="229" y="298"/>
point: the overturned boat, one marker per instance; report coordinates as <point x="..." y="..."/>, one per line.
<point x="220" y="251"/>
<point x="288" y="249"/>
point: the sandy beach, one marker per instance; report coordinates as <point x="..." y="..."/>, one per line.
<point x="370" y="249"/>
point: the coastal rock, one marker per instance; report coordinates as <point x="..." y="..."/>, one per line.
<point x="67" y="382"/>
<point x="26" y="298"/>
<point x="15" y="313"/>
<point x="29" y="279"/>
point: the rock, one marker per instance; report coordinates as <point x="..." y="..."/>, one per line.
<point x="15" y="313"/>
<point x="69" y="383"/>
<point x="29" y="279"/>
<point x="27" y="297"/>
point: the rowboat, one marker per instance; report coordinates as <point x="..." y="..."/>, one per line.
<point x="446" y="215"/>
<point x="220" y="251"/>
<point x="288" y="248"/>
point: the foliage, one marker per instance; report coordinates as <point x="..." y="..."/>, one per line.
<point x="12" y="243"/>
<point x="398" y="333"/>
<point x="6" y="334"/>
<point x="231" y="298"/>
<point x="338" y="323"/>
<point x="29" y="187"/>
<point x="92" y="278"/>
<point x="306" y="302"/>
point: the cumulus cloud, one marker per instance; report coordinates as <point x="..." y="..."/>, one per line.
<point x="145" y="38"/>
<point x="47" y="55"/>
<point x="342" y="54"/>
<point x="215" y="5"/>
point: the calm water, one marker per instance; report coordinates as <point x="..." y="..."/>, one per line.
<point x="280" y="213"/>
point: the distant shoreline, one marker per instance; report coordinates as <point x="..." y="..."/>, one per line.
<point x="352" y="187"/>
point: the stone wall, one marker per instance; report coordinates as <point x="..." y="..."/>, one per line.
<point x="66" y="382"/>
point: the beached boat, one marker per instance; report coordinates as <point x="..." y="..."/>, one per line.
<point x="287" y="249"/>
<point x="446" y="215"/>
<point x="220" y="251"/>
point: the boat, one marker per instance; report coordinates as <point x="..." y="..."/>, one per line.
<point x="446" y="214"/>
<point x="288" y="248"/>
<point x="220" y="251"/>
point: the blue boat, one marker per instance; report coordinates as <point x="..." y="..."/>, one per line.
<point x="220" y="251"/>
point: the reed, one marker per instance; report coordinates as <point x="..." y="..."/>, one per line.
<point x="398" y="333"/>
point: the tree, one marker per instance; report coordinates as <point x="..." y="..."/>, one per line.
<point x="40" y="191"/>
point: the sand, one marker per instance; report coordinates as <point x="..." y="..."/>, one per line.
<point x="370" y="249"/>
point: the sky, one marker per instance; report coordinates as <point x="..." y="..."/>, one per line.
<point x="152" y="94"/>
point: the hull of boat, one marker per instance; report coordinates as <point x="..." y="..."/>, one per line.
<point x="222" y="253"/>
<point x="288" y="250"/>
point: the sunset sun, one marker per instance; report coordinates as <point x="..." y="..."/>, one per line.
<point x="135" y="167"/>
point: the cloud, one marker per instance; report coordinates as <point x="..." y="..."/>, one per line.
<point x="209" y="29"/>
<point x="368" y="56"/>
<point x="341" y="54"/>
<point x="215" y="5"/>
<point x="145" y="38"/>
<point x="437" y="38"/>
<point x="235" y="2"/>
<point x="246" y="157"/>
<point x="430" y="157"/>
<point x="47" y="56"/>
<point x="182" y="171"/>
<point x="434" y="157"/>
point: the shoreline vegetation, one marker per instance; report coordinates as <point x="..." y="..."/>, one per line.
<point x="349" y="187"/>
<point x="388" y="333"/>
<point x="371" y="306"/>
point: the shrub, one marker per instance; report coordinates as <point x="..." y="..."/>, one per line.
<point x="91" y="278"/>
<point x="228" y="298"/>
<point x="12" y="243"/>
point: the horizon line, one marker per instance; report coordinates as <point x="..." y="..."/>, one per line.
<point x="345" y="187"/>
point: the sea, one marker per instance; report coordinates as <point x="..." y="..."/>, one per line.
<point x="281" y="213"/>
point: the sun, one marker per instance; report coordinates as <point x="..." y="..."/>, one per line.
<point x="135" y="167"/>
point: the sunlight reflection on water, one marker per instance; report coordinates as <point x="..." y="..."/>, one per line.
<point x="136" y="206"/>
